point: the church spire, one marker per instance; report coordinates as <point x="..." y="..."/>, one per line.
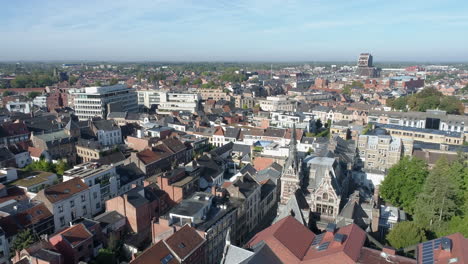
<point x="292" y="145"/>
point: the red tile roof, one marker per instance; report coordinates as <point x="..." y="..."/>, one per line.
<point x="219" y="132"/>
<point x="292" y="243"/>
<point x="372" y="256"/>
<point x="288" y="238"/>
<point x="184" y="241"/>
<point x="62" y="190"/>
<point x="459" y="250"/>
<point x="148" y="156"/>
<point x="35" y="152"/>
<point x="75" y="235"/>
<point x="261" y="163"/>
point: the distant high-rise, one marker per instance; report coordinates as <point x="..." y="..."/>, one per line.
<point x="365" y="60"/>
<point x="365" y="66"/>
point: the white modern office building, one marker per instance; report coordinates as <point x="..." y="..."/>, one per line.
<point x="168" y="102"/>
<point x="92" y="102"/>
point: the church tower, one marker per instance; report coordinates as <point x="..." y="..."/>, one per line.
<point x="292" y="176"/>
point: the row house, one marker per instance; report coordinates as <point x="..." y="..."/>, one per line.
<point x="13" y="132"/>
<point x="107" y="132"/>
<point x="60" y="145"/>
<point x="245" y="191"/>
<point x="179" y="183"/>
<point x="102" y="180"/>
<point x="139" y="206"/>
<point x="75" y="244"/>
<point x="185" y="246"/>
<point x="210" y="215"/>
<point x="224" y="135"/>
<point x="67" y="201"/>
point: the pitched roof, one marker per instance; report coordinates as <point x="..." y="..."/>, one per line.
<point x="61" y="191"/>
<point x="149" y="156"/>
<point x="292" y="242"/>
<point x="261" y="163"/>
<point x="458" y="249"/>
<point x="287" y="236"/>
<point x="219" y="131"/>
<point x="181" y="244"/>
<point x="75" y="235"/>
<point x="184" y="241"/>
<point x="35" y="152"/>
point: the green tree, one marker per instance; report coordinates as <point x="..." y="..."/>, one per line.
<point x="185" y="81"/>
<point x="61" y="167"/>
<point x="438" y="200"/>
<point x="72" y="80"/>
<point x="105" y="256"/>
<point x="8" y="93"/>
<point x="405" y="234"/>
<point x="318" y="124"/>
<point x="113" y="81"/>
<point x="404" y="182"/>
<point x="24" y="239"/>
<point x="197" y="81"/>
<point x="33" y="95"/>
<point x="97" y="83"/>
<point x="347" y="90"/>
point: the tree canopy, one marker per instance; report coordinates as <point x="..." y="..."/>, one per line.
<point x="404" y="182"/>
<point x="428" y="98"/>
<point x="42" y="165"/>
<point x="405" y="234"/>
<point x="24" y="239"/>
<point x="33" y="80"/>
<point x="437" y="201"/>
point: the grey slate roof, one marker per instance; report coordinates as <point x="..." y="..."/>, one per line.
<point x="294" y="207"/>
<point x="232" y="132"/>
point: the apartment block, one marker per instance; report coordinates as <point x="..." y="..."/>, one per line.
<point x="92" y="102"/>
<point x="67" y="201"/>
<point x="381" y="152"/>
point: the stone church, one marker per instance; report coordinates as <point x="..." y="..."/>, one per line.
<point x="319" y="181"/>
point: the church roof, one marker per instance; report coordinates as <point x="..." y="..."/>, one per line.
<point x="294" y="208"/>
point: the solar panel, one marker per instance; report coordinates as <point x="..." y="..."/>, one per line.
<point x="437" y="243"/>
<point x="318" y="239"/>
<point x="428" y="252"/>
<point x="323" y="246"/>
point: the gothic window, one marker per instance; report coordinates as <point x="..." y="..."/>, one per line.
<point x="331" y="200"/>
<point x="325" y="196"/>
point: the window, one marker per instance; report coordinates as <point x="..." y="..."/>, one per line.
<point x="95" y="195"/>
<point x="98" y="205"/>
<point x="83" y="198"/>
<point x="60" y="208"/>
<point x="62" y="221"/>
<point x="85" y="211"/>
<point x="325" y="196"/>
<point x="72" y="204"/>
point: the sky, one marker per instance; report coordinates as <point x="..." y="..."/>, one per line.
<point x="234" y="30"/>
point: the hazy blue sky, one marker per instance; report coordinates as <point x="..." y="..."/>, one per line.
<point x="202" y="30"/>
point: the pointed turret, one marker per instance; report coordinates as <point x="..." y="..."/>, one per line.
<point x="291" y="177"/>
